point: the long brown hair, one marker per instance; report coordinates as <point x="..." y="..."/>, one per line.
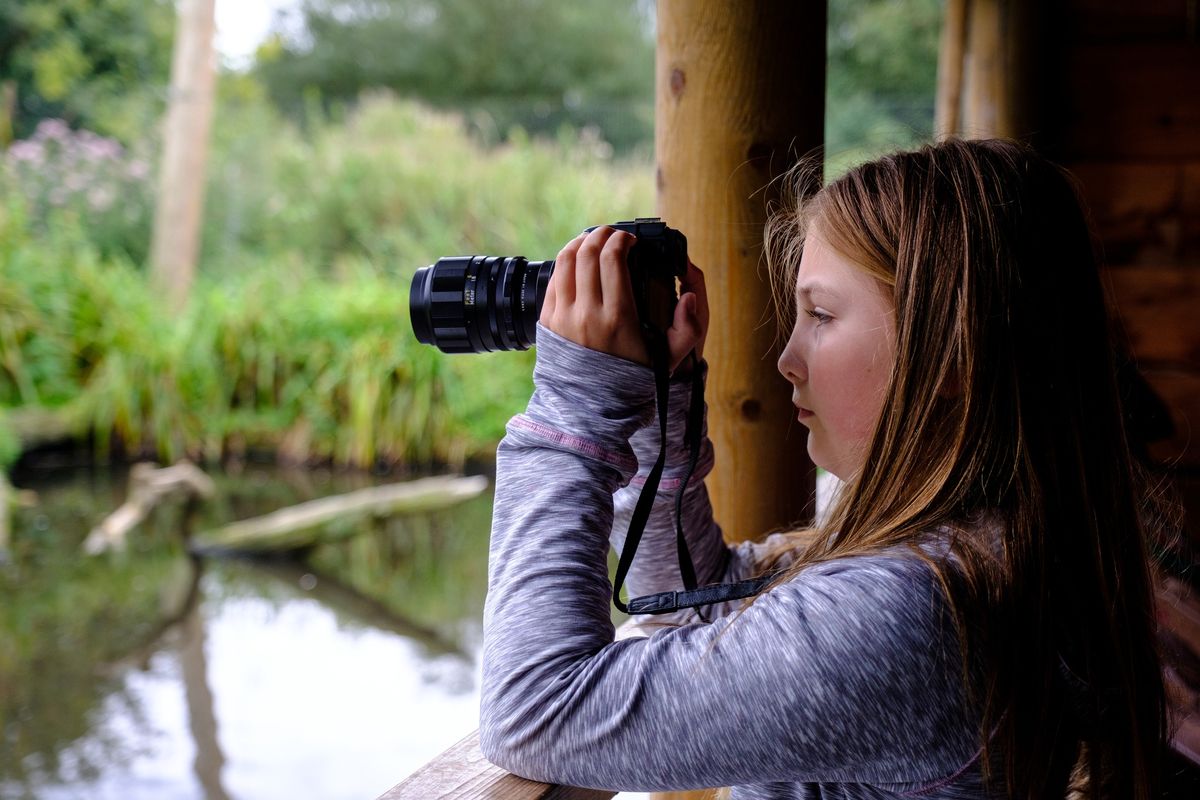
<point x="1003" y="428"/>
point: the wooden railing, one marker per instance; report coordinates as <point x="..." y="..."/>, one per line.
<point x="462" y="773"/>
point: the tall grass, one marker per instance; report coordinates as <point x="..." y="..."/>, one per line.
<point x="296" y="340"/>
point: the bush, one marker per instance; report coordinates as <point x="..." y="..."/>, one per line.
<point x="400" y="186"/>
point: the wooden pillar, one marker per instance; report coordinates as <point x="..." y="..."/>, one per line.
<point x="986" y="69"/>
<point x="178" y="214"/>
<point x="740" y="95"/>
<point x="948" y="104"/>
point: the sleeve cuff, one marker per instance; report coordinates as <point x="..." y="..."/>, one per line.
<point x="590" y="394"/>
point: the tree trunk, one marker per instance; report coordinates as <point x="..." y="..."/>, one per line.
<point x="8" y="111"/>
<point x="178" y="214"/>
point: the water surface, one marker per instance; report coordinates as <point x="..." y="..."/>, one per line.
<point x="153" y="675"/>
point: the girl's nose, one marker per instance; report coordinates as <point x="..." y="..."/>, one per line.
<point x="791" y="362"/>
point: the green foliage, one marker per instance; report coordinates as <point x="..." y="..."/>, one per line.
<point x="400" y="185"/>
<point x="279" y="360"/>
<point x="297" y="340"/>
<point x="102" y="65"/>
<point x="537" y="64"/>
<point x="103" y="186"/>
<point x="882" y="77"/>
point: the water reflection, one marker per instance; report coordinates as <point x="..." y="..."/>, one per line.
<point x="201" y="719"/>
<point x="142" y="677"/>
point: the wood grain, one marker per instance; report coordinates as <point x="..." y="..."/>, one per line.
<point x="1133" y="101"/>
<point x="462" y="773"/>
<point x="740" y="98"/>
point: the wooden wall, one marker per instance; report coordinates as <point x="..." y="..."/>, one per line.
<point x="1123" y="113"/>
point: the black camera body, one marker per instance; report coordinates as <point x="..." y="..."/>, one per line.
<point x="478" y="304"/>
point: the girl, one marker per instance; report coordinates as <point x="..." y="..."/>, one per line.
<point x="974" y="619"/>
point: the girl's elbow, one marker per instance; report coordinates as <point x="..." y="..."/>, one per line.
<point x="501" y="743"/>
<point x="493" y="742"/>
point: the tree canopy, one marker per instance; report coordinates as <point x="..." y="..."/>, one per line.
<point x="882" y="79"/>
<point x="534" y="63"/>
<point x="90" y="62"/>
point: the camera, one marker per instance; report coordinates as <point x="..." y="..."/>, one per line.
<point x="478" y="304"/>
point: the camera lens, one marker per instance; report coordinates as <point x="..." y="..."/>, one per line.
<point x="477" y="304"/>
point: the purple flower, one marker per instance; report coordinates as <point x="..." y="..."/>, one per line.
<point x="52" y="130"/>
<point x="26" y="151"/>
<point x="101" y="198"/>
<point x="138" y="169"/>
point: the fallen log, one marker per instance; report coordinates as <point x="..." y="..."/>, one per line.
<point x="338" y="517"/>
<point x="148" y="485"/>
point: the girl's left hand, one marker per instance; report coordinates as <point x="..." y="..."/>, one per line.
<point x="589" y="300"/>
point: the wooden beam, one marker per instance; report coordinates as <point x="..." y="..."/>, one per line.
<point x="462" y="773"/>
<point x="740" y="96"/>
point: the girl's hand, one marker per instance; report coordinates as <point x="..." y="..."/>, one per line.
<point x="589" y="300"/>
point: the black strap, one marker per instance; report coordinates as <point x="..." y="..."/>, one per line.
<point x="695" y="421"/>
<point x="665" y="602"/>
<point x="656" y="343"/>
<point x="691" y="596"/>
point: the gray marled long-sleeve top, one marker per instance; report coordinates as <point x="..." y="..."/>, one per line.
<point x="843" y="683"/>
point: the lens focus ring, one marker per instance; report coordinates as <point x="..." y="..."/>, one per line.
<point x="477" y="304"/>
<point x="437" y="308"/>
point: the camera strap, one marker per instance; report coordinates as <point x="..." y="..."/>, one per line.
<point x="691" y="596"/>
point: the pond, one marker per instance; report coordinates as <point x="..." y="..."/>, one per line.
<point x="154" y="675"/>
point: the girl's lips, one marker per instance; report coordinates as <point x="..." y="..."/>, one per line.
<point x="804" y="413"/>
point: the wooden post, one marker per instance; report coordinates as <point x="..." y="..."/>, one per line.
<point x="177" y="217"/>
<point x="948" y="105"/>
<point x="997" y="65"/>
<point x="740" y="95"/>
<point x="986" y="108"/>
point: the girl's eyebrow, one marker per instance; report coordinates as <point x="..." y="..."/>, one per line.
<point x="815" y="288"/>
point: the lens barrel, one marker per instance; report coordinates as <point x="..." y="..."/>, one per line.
<point x="478" y="304"/>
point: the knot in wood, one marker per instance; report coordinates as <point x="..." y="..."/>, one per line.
<point x="750" y="409"/>
<point x="678" y="82"/>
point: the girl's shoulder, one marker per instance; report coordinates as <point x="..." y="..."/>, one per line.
<point x="937" y="547"/>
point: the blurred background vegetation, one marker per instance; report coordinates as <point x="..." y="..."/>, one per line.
<point x="364" y="139"/>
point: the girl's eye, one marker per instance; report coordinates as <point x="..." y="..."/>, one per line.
<point x="820" y="316"/>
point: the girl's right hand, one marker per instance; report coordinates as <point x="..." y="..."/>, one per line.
<point x="589" y="300"/>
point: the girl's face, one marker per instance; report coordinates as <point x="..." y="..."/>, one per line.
<point x="839" y="357"/>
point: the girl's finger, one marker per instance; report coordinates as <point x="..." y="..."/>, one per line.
<point x="562" y="280"/>
<point x="588" y="290"/>
<point x="548" y="300"/>
<point x="693" y="281"/>
<point x="686" y="332"/>
<point x="614" y="277"/>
